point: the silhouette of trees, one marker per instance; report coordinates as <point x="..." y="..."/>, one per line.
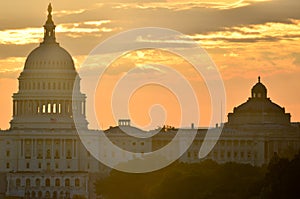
<point x="180" y="180"/>
<point x="282" y="178"/>
<point x="279" y="180"/>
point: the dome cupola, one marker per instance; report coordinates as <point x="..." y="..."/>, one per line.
<point x="258" y="110"/>
<point x="259" y="90"/>
<point x="49" y="55"/>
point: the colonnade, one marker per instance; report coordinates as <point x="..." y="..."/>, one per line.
<point x="33" y="107"/>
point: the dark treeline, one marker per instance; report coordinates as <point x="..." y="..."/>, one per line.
<point x="279" y="179"/>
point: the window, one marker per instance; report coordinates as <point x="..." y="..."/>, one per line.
<point x="44" y="108"/>
<point x="27" y="165"/>
<point x="48" y="165"/>
<point x="18" y="182"/>
<point x="56" y="154"/>
<point x="49" y="108"/>
<point x="67" y="182"/>
<point x="47" y="182"/>
<point x="27" y="182"/>
<point x="7" y="165"/>
<point x="54" y="108"/>
<point x="7" y="153"/>
<point x="57" y="182"/>
<point x="40" y="165"/>
<point x="37" y="182"/>
<point x="249" y="154"/>
<point x="77" y="182"/>
<point x="235" y="154"/>
<point x="48" y="154"/>
<point x="69" y="154"/>
<point x="228" y="154"/>
<point x="222" y="154"/>
<point x="242" y="154"/>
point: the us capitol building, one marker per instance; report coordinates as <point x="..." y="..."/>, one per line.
<point x="41" y="155"/>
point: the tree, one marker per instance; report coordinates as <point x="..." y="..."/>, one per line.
<point x="282" y="178"/>
<point x="180" y="180"/>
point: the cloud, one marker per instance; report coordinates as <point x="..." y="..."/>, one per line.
<point x="268" y="32"/>
<point x="34" y="35"/>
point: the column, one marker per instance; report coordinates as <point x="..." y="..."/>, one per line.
<point x="52" y="106"/>
<point x="52" y="149"/>
<point x="20" y="107"/>
<point x="74" y="148"/>
<point x="84" y="108"/>
<point x="63" y="107"/>
<point x="44" y="148"/>
<point x="61" y="148"/>
<point x="14" y="108"/>
<point x="64" y="147"/>
<point x="32" y="148"/>
<point x="21" y="147"/>
<point x="86" y="184"/>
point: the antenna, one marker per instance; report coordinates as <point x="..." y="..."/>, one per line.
<point x="221" y="114"/>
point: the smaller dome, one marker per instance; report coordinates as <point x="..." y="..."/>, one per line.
<point x="259" y="90"/>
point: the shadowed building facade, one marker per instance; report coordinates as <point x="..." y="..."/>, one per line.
<point x="255" y="131"/>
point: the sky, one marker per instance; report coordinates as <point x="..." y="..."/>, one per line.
<point x="245" y="39"/>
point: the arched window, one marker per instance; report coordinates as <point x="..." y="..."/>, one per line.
<point x="57" y="182"/>
<point x="67" y="182"/>
<point x="77" y="182"/>
<point x="40" y="194"/>
<point x="47" y="182"/>
<point x="47" y="194"/>
<point x="54" y="196"/>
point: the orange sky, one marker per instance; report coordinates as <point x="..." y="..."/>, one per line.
<point x="244" y="38"/>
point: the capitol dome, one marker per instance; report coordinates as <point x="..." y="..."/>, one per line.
<point x="49" y="87"/>
<point x="49" y="57"/>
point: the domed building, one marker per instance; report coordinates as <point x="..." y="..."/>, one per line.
<point x="259" y="109"/>
<point x="41" y="155"/>
<point x="46" y="87"/>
